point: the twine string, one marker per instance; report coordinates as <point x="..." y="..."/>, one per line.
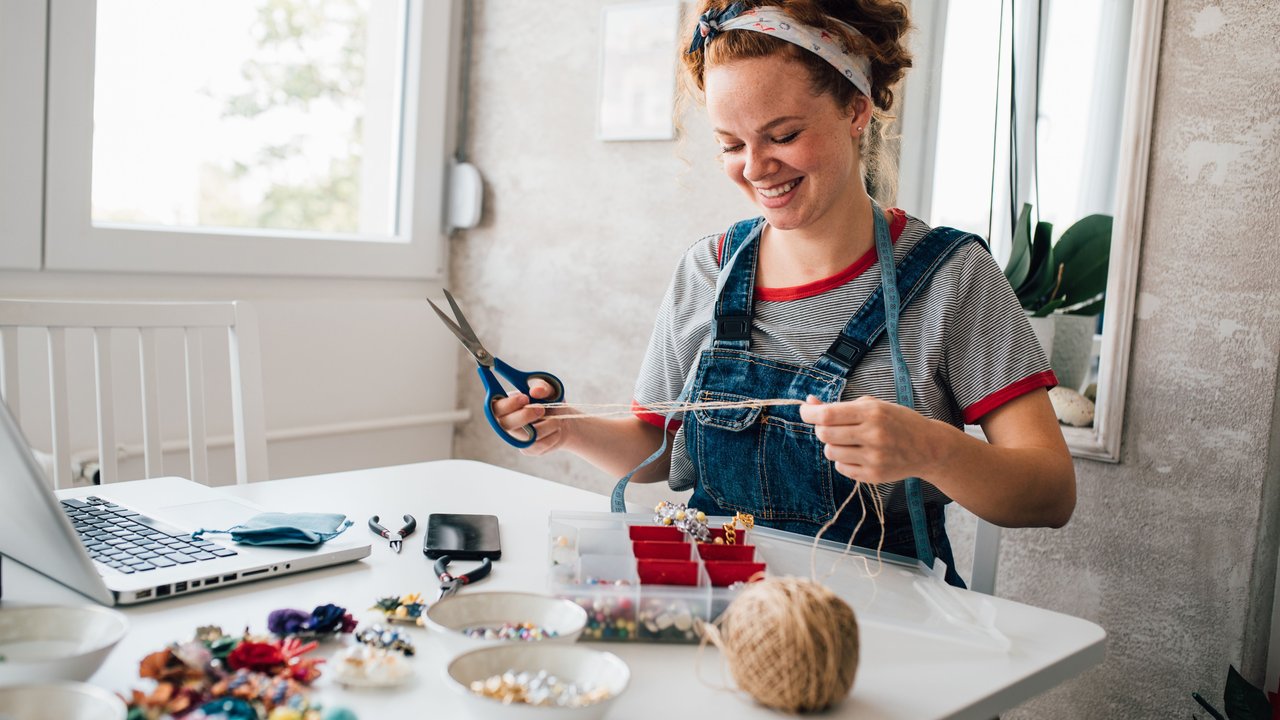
<point x="670" y="407"/>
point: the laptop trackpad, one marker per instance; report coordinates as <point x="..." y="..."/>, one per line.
<point x="221" y="514"/>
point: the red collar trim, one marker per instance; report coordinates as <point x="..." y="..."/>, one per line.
<point x="898" y="221"/>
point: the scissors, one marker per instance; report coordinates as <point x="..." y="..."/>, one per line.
<point x="409" y="524"/>
<point x="449" y="584"/>
<point x="493" y="389"/>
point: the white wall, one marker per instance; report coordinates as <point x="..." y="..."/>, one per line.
<point x="334" y="351"/>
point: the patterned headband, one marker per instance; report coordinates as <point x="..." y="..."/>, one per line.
<point x="773" y="21"/>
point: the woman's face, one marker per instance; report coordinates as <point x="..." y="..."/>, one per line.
<point x="795" y="155"/>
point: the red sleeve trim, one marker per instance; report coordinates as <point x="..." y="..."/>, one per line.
<point x="653" y="418"/>
<point x="720" y="250"/>
<point x="976" y="411"/>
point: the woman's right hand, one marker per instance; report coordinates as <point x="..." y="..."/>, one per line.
<point x="517" y="410"/>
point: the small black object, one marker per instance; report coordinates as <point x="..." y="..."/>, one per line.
<point x="449" y="584"/>
<point x="410" y="523"/>
<point x="462" y="537"/>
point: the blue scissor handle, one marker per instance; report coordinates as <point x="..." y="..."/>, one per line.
<point x="494" y="391"/>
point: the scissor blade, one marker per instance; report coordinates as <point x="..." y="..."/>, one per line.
<point x="467" y="338"/>
<point x="462" y="319"/>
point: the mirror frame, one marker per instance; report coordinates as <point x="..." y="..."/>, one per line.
<point x="1102" y="441"/>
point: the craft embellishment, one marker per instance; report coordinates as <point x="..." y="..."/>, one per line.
<point x="747" y="520"/>
<point x="368" y="666"/>
<point x="407" y="609"/>
<point x="231" y="677"/>
<point x="382" y="638"/>
<point x="324" y="620"/>
<point x="690" y="520"/>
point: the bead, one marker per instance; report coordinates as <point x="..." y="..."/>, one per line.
<point x="701" y="517"/>
<point x="539" y="688"/>
<point x="509" y="631"/>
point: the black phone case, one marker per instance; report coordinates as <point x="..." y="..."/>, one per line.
<point x="462" y="537"/>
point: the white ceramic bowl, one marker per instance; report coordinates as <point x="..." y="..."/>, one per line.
<point x="47" y="643"/>
<point x="448" y="618"/>
<point x="573" y="663"/>
<point x="60" y="701"/>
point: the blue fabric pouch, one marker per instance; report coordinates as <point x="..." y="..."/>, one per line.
<point x="274" y="528"/>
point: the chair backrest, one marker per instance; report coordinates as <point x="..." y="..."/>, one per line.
<point x="146" y="320"/>
<point x="986" y="557"/>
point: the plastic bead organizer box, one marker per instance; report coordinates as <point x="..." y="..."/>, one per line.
<point x="639" y="581"/>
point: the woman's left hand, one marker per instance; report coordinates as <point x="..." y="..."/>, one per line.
<point x="873" y="441"/>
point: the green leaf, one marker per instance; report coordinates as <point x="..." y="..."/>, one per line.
<point x="1208" y="708"/>
<point x="1048" y="308"/>
<point x="1020" y="253"/>
<point x="1043" y="271"/>
<point x="1085" y="249"/>
<point x="1244" y="701"/>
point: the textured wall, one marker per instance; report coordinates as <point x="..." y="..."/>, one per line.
<point x="1170" y="550"/>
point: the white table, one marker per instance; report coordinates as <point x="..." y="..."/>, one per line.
<point x="901" y="675"/>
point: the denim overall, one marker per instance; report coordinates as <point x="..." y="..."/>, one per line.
<point x="767" y="461"/>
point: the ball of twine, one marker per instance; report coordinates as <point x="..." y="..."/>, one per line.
<point x="790" y="643"/>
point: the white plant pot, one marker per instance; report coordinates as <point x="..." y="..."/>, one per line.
<point x="1067" y="341"/>
<point x="1044" y="333"/>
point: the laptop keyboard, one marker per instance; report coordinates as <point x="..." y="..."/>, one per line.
<point x="130" y="542"/>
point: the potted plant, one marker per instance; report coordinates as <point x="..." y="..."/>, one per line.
<point x="1062" y="286"/>
<point x="1243" y="701"/>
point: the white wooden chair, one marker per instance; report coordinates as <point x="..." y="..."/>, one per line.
<point x="986" y="557"/>
<point x="145" y="321"/>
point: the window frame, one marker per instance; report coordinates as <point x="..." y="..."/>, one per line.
<point x="72" y="242"/>
<point x="22" y="57"/>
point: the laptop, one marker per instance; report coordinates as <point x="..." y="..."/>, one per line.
<point x="130" y="542"/>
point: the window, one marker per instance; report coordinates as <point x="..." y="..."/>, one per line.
<point x="272" y="137"/>
<point x="964" y="58"/>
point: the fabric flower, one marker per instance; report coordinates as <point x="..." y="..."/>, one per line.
<point x="193" y="654"/>
<point x="227" y="709"/>
<point x="257" y="656"/>
<point x="327" y="619"/>
<point x="287" y="621"/>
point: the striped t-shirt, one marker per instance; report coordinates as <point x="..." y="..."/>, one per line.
<point x="965" y="338"/>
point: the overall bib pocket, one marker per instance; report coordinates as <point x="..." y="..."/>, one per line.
<point x="761" y="464"/>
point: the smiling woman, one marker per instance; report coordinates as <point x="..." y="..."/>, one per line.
<point x="892" y="333"/>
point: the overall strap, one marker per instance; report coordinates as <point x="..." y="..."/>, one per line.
<point x="879" y="315"/>
<point x="731" y="327"/>
<point x="871" y="319"/>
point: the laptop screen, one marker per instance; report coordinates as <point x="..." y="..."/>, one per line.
<point x="33" y="529"/>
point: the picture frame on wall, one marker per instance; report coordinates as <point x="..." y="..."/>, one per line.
<point x="638" y="51"/>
